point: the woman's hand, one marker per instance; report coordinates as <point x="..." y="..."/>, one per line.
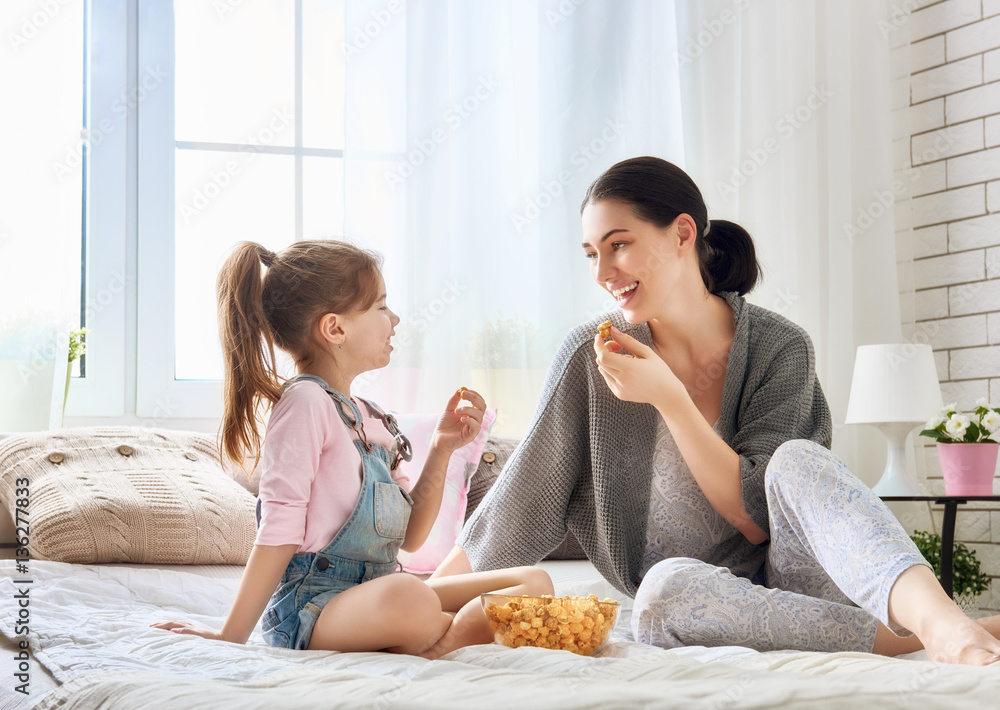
<point x="186" y="627"/>
<point x="458" y="426"/>
<point x="640" y="377"/>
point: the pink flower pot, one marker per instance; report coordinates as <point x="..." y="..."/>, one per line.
<point x="968" y="468"/>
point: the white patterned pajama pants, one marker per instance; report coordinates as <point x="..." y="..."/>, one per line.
<point x="835" y="552"/>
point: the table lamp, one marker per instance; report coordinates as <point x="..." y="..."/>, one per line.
<point x="894" y="388"/>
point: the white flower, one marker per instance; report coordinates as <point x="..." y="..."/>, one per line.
<point x="956" y="425"/>
<point x="934" y="422"/>
<point x="948" y="409"/>
<point x="982" y="402"/>
<point x="991" y="421"/>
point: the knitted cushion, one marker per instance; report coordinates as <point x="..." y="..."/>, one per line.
<point x="498" y="450"/>
<point x="102" y="495"/>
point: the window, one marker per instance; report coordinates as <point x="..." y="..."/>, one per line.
<point x="448" y="136"/>
<point x="239" y="140"/>
<point x="259" y="139"/>
<point x="78" y="129"/>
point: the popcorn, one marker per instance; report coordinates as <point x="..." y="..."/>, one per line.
<point x="576" y="624"/>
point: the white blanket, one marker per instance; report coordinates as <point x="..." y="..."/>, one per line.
<point x="89" y="628"/>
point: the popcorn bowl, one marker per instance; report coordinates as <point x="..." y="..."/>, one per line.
<point x="577" y="624"/>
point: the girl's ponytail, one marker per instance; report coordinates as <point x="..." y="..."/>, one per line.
<point x="727" y="258"/>
<point x="247" y="350"/>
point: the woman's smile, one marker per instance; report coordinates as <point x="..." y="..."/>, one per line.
<point x="624" y="294"/>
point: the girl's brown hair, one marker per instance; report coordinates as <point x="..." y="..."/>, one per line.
<point x="279" y="307"/>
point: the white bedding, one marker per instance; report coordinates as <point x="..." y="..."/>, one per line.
<point x="89" y="629"/>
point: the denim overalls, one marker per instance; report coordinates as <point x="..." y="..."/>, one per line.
<point x="363" y="549"/>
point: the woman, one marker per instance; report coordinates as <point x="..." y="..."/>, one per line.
<point x="689" y="456"/>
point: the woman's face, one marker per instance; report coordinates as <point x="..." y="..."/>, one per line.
<point x="635" y="261"/>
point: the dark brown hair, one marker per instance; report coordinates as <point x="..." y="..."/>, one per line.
<point x="279" y="308"/>
<point x="658" y="192"/>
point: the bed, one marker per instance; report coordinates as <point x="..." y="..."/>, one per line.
<point x="90" y="647"/>
<point x="89" y="644"/>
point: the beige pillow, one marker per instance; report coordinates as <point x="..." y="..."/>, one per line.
<point x="103" y="495"/>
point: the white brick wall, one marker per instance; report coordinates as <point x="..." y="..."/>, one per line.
<point x="930" y="241"/>
<point x="927" y="116"/>
<point x="950" y="269"/>
<point x="993" y="196"/>
<point x="993" y="328"/>
<point x="976" y="233"/>
<point x="953" y="332"/>
<point x="954" y="121"/>
<point x="942" y="17"/>
<point x="949" y="206"/>
<point x="992" y="132"/>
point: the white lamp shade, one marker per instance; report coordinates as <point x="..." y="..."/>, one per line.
<point x="894" y="383"/>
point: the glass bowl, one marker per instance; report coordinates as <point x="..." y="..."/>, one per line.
<point x="577" y="624"/>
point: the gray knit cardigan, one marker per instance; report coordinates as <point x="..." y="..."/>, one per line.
<point x="586" y="464"/>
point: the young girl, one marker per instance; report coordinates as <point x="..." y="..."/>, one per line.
<point x="334" y="509"/>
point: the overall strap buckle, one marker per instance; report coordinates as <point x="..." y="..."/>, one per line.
<point x="350" y="418"/>
<point x="404" y="450"/>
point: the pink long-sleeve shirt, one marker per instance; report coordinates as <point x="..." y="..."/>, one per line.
<point x="311" y="470"/>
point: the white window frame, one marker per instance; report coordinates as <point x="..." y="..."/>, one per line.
<point x="131" y="357"/>
<point x="158" y="393"/>
<point x="110" y="283"/>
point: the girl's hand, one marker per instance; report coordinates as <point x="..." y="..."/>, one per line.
<point x="458" y="426"/>
<point x="186" y="627"/>
<point x="640" y="377"/>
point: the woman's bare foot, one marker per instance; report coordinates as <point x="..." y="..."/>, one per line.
<point x="918" y="603"/>
<point x="991" y="624"/>
<point x="959" y="639"/>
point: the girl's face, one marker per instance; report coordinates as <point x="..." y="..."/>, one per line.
<point x="368" y="333"/>
<point x="635" y="261"/>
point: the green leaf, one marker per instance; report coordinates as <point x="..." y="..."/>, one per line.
<point x="934" y="434"/>
<point x="965" y="565"/>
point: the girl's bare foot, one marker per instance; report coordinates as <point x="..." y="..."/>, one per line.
<point x="441" y="646"/>
<point x="469" y="627"/>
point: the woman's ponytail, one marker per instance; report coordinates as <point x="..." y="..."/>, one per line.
<point x="727" y="258"/>
<point x="247" y="350"/>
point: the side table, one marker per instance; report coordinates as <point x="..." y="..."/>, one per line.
<point x="950" y="504"/>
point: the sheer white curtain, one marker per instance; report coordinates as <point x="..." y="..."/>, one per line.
<point x="41" y="174"/>
<point x="787" y="131"/>
<point x="473" y="130"/>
